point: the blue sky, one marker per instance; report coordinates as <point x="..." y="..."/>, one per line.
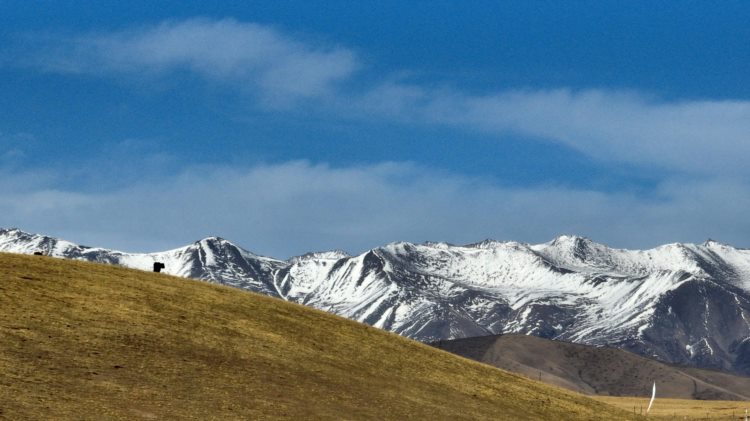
<point x="291" y="126"/>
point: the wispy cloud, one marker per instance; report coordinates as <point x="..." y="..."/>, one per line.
<point x="295" y="207"/>
<point x="255" y="57"/>
<point x="692" y="136"/>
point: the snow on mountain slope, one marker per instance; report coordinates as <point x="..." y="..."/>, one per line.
<point x="680" y="303"/>
<point x="212" y="259"/>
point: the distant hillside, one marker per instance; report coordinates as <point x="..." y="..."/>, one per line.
<point x="597" y="370"/>
<point x="91" y="341"/>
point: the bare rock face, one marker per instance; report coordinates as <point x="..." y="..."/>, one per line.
<point x="679" y="303"/>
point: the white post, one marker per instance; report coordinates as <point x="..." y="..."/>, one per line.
<point x="653" y="395"/>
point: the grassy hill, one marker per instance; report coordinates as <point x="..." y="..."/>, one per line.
<point x="88" y="341"/>
<point x="681" y="409"/>
<point x="597" y="370"/>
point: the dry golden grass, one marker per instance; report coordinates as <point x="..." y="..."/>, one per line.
<point x="87" y="341"/>
<point x="679" y="409"/>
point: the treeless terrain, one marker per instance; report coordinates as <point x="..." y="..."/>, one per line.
<point x="88" y="341"/>
<point x="681" y="409"/>
<point x="598" y="370"/>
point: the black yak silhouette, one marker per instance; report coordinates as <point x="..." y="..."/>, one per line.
<point x="158" y="266"/>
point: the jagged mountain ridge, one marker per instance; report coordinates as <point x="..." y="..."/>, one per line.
<point x="679" y="303"/>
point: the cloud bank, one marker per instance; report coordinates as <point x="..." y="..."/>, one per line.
<point x="700" y="144"/>
<point x="291" y="208"/>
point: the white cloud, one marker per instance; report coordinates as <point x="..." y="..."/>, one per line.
<point x="708" y="137"/>
<point x="692" y="136"/>
<point x="253" y="56"/>
<point x="295" y="207"/>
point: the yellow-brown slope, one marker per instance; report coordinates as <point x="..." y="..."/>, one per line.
<point x="87" y="341"/>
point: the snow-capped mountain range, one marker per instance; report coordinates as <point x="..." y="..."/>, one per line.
<point x="679" y="303"/>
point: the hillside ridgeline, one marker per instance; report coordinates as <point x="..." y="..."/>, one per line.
<point x="92" y="341"/>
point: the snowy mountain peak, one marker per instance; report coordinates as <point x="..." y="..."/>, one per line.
<point x="215" y="243"/>
<point x="438" y="244"/>
<point x="568" y="238"/>
<point x="322" y="255"/>
<point x="485" y="244"/>
<point x="683" y="303"/>
<point x="715" y="244"/>
<point x="212" y="239"/>
<point x="17" y="241"/>
<point x="9" y="233"/>
<point x="574" y="242"/>
<point x="573" y="251"/>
